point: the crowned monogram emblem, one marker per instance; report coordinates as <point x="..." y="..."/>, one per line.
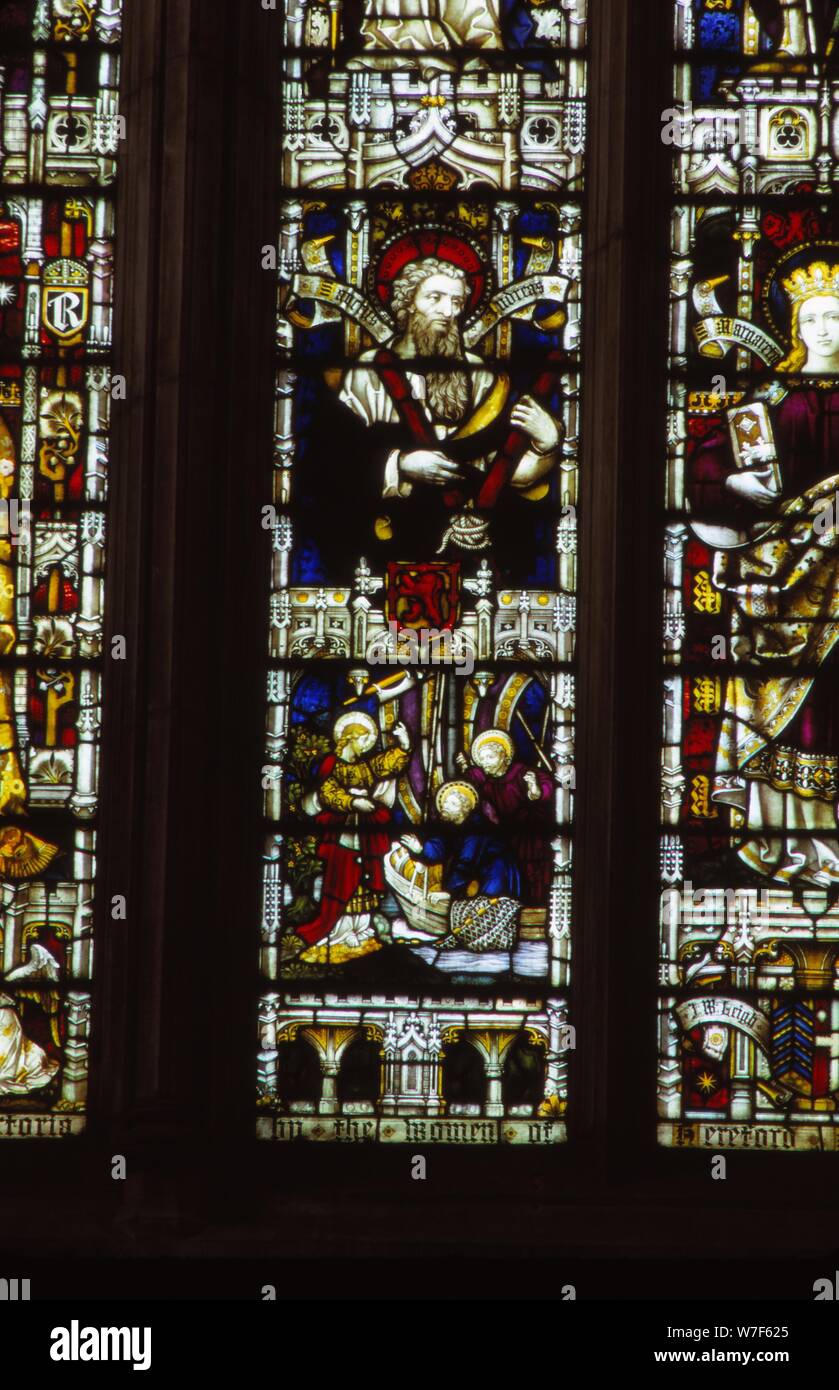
<point x="66" y="299"/>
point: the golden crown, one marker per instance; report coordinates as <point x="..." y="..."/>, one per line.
<point x="819" y="278"/>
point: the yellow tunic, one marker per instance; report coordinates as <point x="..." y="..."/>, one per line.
<point x="336" y="790"/>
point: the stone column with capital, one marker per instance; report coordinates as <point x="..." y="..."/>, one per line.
<point x="330" y="1043"/>
<point x="492" y="1043"/>
<point x="389" y="1068"/>
<point x="276" y="741"/>
<point x="360" y="624"/>
<point x="100" y="257"/>
<point x="37" y="112"/>
<point x="33" y="259"/>
<point x="328" y="1103"/>
<point x="825" y="159"/>
<point x="272" y="907"/>
<point x="672" y="911"/>
<point x="742" y="1083"/>
<point x="563" y="699"/>
<point x="84" y="800"/>
<point x="295" y="21"/>
<point x="681" y="270"/>
<point x="676" y="442"/>
<point x="684" y="24"/>
<point x="291" y="226"/>
<point x="483" y="613"/>
<point x="357" y="258"/>
<point x="281" y="538"/>
<point x="98" y="382"/>
<point x="559" y="911"/>
<point x="89" y="620"/>
<point x="41" y="21"/>
<point x="495" y="1093"/>
<point x="74" y="1075"/>
<point x="672" y="772"/>
<point x="566" y="548"/>
<point x="268" y="1055"/>
<point x="675" y="542"/>
<point x="669" y="1066"/>
<point x="81" y="956"/>
<point x="12" y="905"/>
<point x="107" y="21"/>
<point x="556" y="1067"/>
<point x="504" y="214"/>
<point x="283" y="436"/>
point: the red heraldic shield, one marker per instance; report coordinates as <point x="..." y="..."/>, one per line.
<point x="425" y="596"/>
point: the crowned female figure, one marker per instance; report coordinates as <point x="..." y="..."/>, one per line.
<point x="777" y="761"/>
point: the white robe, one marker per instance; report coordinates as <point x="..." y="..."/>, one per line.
<point x="24" y="1066"/>
<point x="423" y="26"/>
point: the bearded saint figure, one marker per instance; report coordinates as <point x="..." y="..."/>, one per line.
<point x="777" y="761"/>
<point x="516" y="799"/>
<point x="432" y="432"/>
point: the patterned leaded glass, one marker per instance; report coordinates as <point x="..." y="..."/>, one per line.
<point x="59" y="135"/>
<point x="419" y="775"/>
<point x="749" y="1014"/>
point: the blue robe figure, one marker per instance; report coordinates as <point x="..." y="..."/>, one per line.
<point x="480" y="862"/>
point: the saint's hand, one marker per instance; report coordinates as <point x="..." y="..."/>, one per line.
<point x="428" y="466"/>
<point x="461" y="762"/>
<point x="363" y="803"/>
<point x="531" y="781"/>
<point x="534" y="421"/>
<point x="757" y="487"/>
<point x="400" y="733"/>
<point x="413" y="843"/>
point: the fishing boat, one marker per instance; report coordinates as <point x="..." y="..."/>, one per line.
<point x="418" y="890"/>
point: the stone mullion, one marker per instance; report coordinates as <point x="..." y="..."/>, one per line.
<point x="160" y="795"/>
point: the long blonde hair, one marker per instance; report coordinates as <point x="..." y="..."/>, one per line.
<point x="797" y="356"/>
<point x="817" y="281"/>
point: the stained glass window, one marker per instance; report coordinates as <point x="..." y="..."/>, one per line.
<point x="59" y="135"/>
<point x="419" y="769"/>
<point x="749" y="1014"/>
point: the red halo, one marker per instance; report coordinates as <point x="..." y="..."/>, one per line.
<point x="431" y="241"/>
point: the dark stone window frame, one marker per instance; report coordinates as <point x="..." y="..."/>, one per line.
<point x="174" y="1024"/>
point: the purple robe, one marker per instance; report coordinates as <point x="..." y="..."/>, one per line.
<point x="806" y="429"/>
<point x="504" y="801"/>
